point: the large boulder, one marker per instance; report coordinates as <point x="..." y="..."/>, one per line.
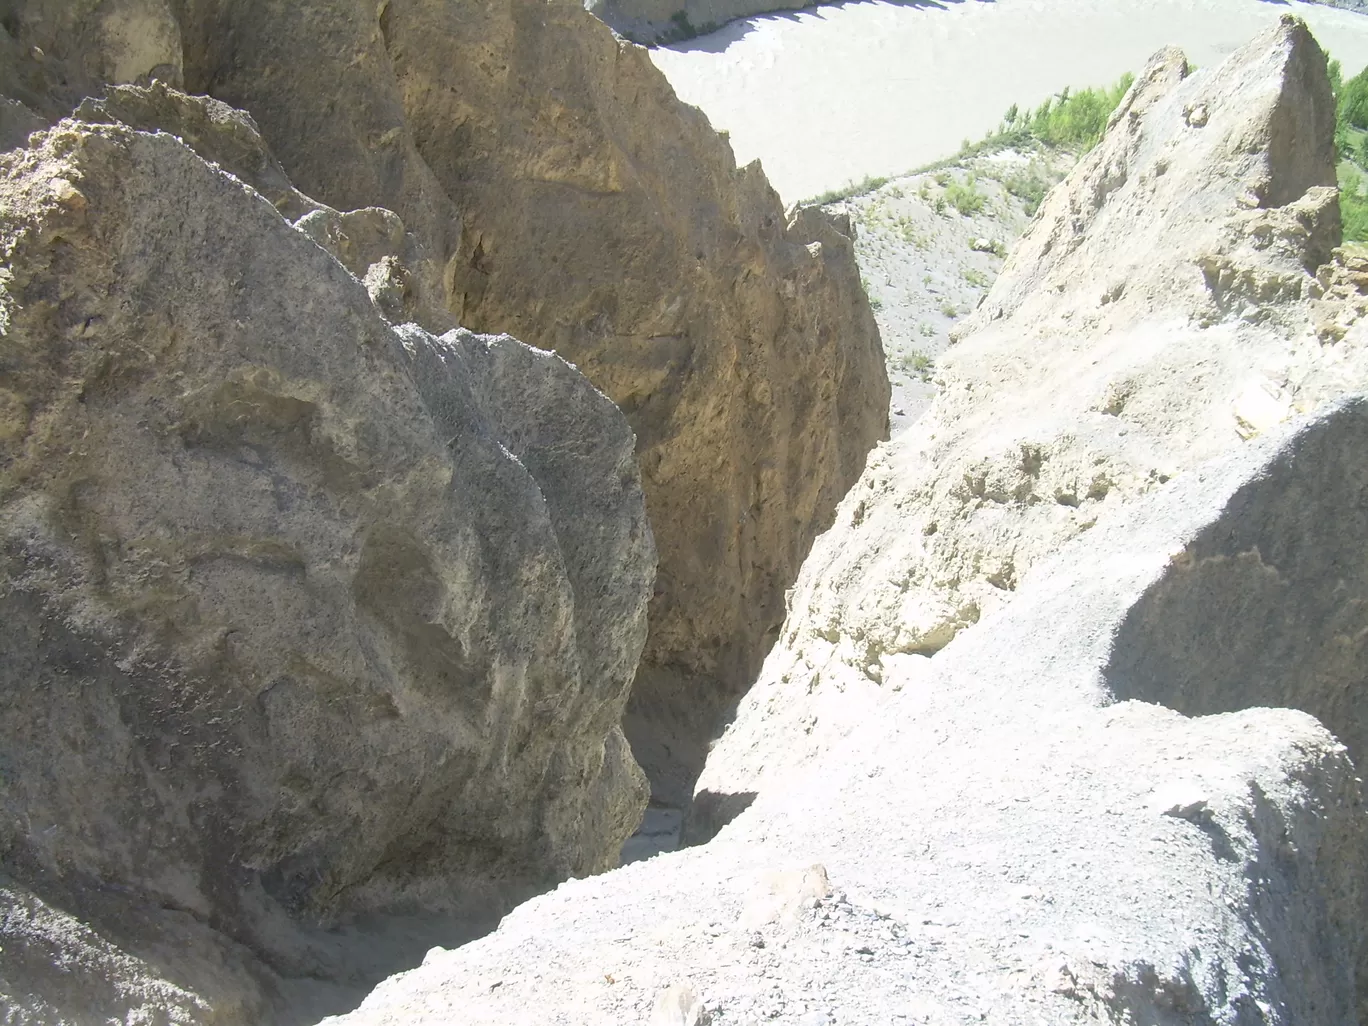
<point x="551" y="186"/>
<point x="317" y="632"/>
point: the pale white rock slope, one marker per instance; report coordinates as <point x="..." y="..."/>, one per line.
<point x="1012" y="829"/>
<point x="930" y="245"/>
<point x="1159" y="311"/>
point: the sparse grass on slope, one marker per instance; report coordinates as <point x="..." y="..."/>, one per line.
<point x="1071" y="120"/>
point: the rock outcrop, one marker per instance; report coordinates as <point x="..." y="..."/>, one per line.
<point x="513" y="168"/>
<point x="1081" y="802"/>
<point x="1163" y="307"/>
<point x="317" y="632"/>
<point x="1003" y="840"/>
<point x="572" y="201"/>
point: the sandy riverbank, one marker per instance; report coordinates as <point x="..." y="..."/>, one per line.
<point x="831" y="94"/>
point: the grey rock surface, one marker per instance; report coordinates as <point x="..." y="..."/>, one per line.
<point x="551" y="186"/>
<point x="317" y="632"/>
<point x="570" y="200"/>
<point x="1104" y="797"/>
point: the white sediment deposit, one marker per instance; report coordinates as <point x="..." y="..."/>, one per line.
<point x="830" y="94"/>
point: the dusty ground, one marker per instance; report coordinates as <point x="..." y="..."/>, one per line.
<point x="929" y="248"/>
<point x="829" y="95"/>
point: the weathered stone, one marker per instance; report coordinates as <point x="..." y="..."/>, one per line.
<point x="309" y="623"/>
<point x="1011" y="839"/>
<point x="602" y="218"/>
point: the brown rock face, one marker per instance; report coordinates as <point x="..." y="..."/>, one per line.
<point x="319" y="631"/>
<point x="600" y="217"/>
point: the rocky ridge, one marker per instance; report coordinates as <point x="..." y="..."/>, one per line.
<point x="309" y="620"/>
<point x="926" y="263"/>
<point x="1163" y="307"/>
<point x="550" y="186"/>
<point x="1082" y="805"/>
<point x="1117" y="862"/>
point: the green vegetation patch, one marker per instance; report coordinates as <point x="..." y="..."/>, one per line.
<point x="1351" y="147"/>
<point x="964" y="196"/>
<point x="867" y="184"/>
<point x="1075" y="120"/>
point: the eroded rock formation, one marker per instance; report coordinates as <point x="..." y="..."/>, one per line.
<point x="309" y="622"/>
<point x="322" y="625"/>
<point x="1163" y="307"/>
<point x="1001" y="840"/>
<point x="1081" y="802"/>
<point x="573" y="202"/>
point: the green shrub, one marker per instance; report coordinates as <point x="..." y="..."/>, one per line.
<point x="1353" y="205"/>
<point x="1076" y="120"/>
<point x="1351" y="145"/>
<point x="914" y="363"/>
<point x="1029" y="186"/>
<point x="1352" y="106"/>
<point x="964" y="196"/>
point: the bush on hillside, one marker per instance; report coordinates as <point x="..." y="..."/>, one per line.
<point x="1351" y="146"/>
<point x="1076" y="120"/>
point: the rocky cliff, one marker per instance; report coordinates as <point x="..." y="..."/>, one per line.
<point x="552" y="187"/>
<point x="1015" y="833"/>
<point x="309" y="622"/>
<point x="322" y="612"/>
<point x="1086" y="799"/>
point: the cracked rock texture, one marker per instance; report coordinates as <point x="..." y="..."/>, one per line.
<point x="552" y="187"/>
<point x="1164" y="306"/>
<point x="549" y="185"/>
<point x="317" y="632"/>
